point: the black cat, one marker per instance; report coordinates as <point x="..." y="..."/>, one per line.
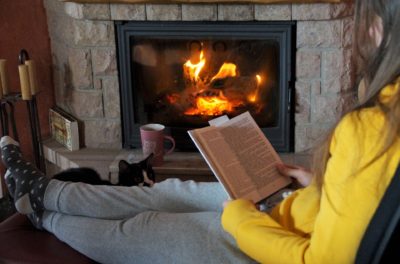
<point x="130" y="174"/>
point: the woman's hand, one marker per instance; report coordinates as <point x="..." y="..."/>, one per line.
<point x="302" y="175"/>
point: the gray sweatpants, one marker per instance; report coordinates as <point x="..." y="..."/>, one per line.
<point x="172" y="222"/>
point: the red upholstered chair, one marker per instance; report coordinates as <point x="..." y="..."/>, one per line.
<point x="22" y="243"/>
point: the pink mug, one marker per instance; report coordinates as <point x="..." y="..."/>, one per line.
<point x="152" y="136"/>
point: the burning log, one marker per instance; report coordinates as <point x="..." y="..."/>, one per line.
<point x="236" y="88"/>
<point x="245" y="83"/>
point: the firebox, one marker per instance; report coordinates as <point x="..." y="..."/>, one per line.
<point x="182" y="74"/>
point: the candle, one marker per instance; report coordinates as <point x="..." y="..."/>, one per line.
<point x="3" y="77"/>
<point x="32" y="76"/>
<point x="25" y="86"/>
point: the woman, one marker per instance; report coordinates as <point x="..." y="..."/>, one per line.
<point x="179" y="222"/>
<point x="324" y="222"/>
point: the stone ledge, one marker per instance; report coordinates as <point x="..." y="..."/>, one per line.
<point x="179" y="164"/>
<point x="100" y="159"/>
<point x="183" y="165"/>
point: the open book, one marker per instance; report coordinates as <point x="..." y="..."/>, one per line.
<point x="240" y="156"/>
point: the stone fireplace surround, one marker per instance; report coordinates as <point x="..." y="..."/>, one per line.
<point x="86" y="75"/>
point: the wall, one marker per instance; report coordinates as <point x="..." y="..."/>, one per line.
<point x="23" y="24"/>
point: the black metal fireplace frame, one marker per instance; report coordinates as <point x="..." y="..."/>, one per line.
<point x="281" y="136"/>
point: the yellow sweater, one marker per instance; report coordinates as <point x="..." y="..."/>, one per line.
<point x="308" y="227"/>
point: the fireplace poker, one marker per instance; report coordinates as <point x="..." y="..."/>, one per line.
<point x="38" y="133"/>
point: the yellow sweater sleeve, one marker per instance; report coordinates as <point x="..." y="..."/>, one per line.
<point x="260" y="237"/>
<point x="345" y="206"/>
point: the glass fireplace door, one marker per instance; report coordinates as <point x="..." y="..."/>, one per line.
<point x="185" y="82"/>
<point x="183" y="74"/>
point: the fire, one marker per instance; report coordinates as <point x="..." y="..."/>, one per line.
<point x="195" y="69"/>
<point x="226" y="70"/>
<point x="205" y="97"/>
<point x="212" y="105"/>
<point x="254" y="97"/>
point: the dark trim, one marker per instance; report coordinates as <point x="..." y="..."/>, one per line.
<point x="281" y="136"/>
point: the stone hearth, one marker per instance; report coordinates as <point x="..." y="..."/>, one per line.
<point x="185" y="166"/>
<point x="86" y="75"/>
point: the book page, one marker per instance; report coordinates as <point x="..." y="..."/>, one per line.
<point x="244" y="157"/>
<point x="214" y="167"/>
<point x="218" y="121"/>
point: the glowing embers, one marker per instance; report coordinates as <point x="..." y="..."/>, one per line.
<point x="212" y="105"/>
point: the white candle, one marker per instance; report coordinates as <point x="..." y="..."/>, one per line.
<point x="3" y="76"/>
<point x="32" y="76"/>
<point x="24" y="79"/>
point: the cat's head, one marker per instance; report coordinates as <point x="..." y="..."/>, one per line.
<point x="136" y="174"/>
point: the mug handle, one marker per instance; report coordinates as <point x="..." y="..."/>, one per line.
<point x="173" y="144"/>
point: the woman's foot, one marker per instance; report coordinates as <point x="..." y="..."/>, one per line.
<point x="30" y="183"/>
<point x="10" y="183"/>
<point x="35" y="217"/>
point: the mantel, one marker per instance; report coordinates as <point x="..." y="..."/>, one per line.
<point x="203" y="1"/>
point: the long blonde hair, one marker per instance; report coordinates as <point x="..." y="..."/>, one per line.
<point x="377" y="66"/>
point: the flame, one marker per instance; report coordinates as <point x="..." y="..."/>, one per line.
<point x="226" y="70"/>
<point x="212" y="105"/>
<point x="254" y="97"/>
<point x="195" y="69"/>
<point x="258" y="77"/>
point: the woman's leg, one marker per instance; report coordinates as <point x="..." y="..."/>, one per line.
<point x="34" y="192"/>
<point x="114" y="202"/>
<point x="149" y="237"/>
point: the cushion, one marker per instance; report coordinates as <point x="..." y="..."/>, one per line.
<point x="21" y="243"/>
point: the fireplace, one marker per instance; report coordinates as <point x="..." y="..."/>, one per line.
<point x="182" y="74"/>
<point x="87" y="81"/>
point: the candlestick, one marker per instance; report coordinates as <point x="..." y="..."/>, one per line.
<point x="32" y="76"/>
<point x="4" y="80"/>
<point x="25" y="85"/>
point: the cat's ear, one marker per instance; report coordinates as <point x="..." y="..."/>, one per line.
<point x="123" y="165"/>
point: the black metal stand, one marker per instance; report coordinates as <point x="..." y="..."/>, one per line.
<point x="7" y="115"/>
<point x="7" y="118"/>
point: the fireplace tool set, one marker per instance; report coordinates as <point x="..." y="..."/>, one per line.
<point x="29" y="91"/>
